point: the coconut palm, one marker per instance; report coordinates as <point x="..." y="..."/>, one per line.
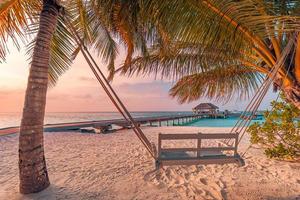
<point x="220" y="49"/>
<point x="50" y="49"/>
<point x="15" y="16"/>
<point x="100" y="24"/>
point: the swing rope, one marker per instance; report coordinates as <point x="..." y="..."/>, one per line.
<point x="109" y="90"/>
<point x="273" y="107"/>
<point x="240" y="126"/>
<point x="243" y="122"/>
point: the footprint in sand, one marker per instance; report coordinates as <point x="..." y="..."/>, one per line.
<point x="179" y="181"/>
<point x="203" y="181"/>
<point x="220" y="184"/>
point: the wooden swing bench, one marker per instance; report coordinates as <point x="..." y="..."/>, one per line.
<point x="187" y="156"/>
<point x="199" y="154"/>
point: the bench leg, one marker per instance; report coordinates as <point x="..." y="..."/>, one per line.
<point x="157" y="165"/>
<point x="240" y="162"/>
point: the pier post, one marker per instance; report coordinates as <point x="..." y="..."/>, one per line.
<point x="167" y="122"/>
<point x="159" y="123"/>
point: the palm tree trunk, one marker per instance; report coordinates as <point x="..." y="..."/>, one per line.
<point x="32" y="164"/>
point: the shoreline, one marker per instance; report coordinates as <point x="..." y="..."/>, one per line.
<point x="116" y="166"/>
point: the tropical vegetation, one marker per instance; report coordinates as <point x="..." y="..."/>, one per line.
<point x="279" y="135"/>
<point x="213" y="48"/>
<point x="100" y="24"/>
<point x="224" y="49"/>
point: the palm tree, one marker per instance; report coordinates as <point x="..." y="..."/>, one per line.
<point x="32" y="164"/>
<point x="99" y="23"/>
<point x="219" y="49"/>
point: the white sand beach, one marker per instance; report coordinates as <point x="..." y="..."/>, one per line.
<point x="116" y="166"/>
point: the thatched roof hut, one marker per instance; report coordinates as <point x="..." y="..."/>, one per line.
<point x="206" y="108"/>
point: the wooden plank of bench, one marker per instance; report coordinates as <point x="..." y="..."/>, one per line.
<point x="187" y="136"/>
<point x="198" y="161"/>
<point x="199" y="145"/>
<point x="217" y="148"/>
<point x="178" y="136"/>
<point x="177" y="149"/>
<point x="217" y="135"/>
<point x="196" y="149"/>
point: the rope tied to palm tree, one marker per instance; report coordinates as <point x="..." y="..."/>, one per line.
<point x="108" y="88"/>
<point x="273" y="107"/>
<point x="244" y="121"/>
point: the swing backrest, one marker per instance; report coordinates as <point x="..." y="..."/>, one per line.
<point x="199" y="150"/>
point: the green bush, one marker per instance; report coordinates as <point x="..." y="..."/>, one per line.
<point x="279" y="134"/>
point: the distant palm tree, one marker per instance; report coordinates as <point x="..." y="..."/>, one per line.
<point x="98" y="23"/>
<point x="219" y="49"/>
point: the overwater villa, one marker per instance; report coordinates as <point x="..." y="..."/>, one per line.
<point x="207" y="108"/>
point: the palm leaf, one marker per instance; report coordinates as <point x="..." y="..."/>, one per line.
<point x="187" y="60"/>
<point x="221" y="84"/>
<point x="233" y="25"/>
<point x="62" y="51"/>
<point x="125" y="21"/>
<point x="15" y="16"/>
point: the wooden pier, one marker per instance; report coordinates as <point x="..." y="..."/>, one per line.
<point x="105" y="125"/>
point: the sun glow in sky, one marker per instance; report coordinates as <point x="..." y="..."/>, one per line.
<point x="78" y="91"/>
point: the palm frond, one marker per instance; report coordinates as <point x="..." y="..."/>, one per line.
<point x="187" y="60"/>
<point x="120" y="21"/>
<point x="62" y="51"/>
<point x="221" y="84"/>
<point x="15" y="16"/>
<point x="234" y="25"/>
<point x="103" y="42"/>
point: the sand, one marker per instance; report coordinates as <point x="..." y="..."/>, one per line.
<point x="116" y="166"/>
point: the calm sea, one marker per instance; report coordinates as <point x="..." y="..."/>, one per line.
<point x="13" y="119"/>
<point x="228" y="122"/>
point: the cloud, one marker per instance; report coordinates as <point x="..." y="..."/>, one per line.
<point x="83" y="96"/>
<point x="4" y="92"/>
<point x="153" y="89"/>
<point x="86" y="79"/>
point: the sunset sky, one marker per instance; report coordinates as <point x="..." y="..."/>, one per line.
<point x="77" y="90"/>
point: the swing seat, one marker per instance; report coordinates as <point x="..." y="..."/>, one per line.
<point x="189" y="154"/>
<point x="197" y="155"/>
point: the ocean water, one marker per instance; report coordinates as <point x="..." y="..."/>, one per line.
<point x="228" y="122"/>
<point x="14" y="119"/>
